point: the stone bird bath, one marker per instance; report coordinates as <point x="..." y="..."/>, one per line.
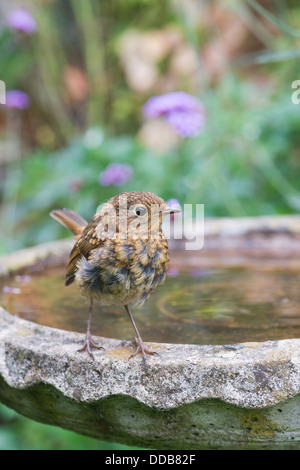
<point x="243" y="395"/>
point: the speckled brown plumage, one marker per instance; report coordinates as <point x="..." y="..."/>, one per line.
<point x="121" y="255"/>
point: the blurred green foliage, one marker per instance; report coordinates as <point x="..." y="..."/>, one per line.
<point x="20" y="433"/>
<point x="85" y="114"/>
<point x="237" y="166"/>
<point x="246" y="161"/>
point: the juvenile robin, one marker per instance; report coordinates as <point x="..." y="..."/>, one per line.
<point x="121" y="255"/>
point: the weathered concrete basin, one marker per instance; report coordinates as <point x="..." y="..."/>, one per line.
<point x="239" y="396"/>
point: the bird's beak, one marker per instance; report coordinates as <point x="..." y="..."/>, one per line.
<point x="171" y="209"/>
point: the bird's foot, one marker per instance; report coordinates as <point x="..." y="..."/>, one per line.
<point x="142" y="349"/>
<point x="88" y="344"/>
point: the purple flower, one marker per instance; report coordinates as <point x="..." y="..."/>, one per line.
<point x="17" y="99"/>
<point x="22" y="20"/>
<point x="173" y="271"/>
<point x="186" y="123"/>
<point x="184" y="112"/>
<point x="11" y="290"/>
<point x="175" y="204"/>
<point x="23" y="278"/>
<point x="115" y="174"/>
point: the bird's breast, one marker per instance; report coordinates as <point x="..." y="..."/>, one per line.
<point x="123" y="272"/>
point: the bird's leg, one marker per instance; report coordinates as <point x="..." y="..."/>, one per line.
<point x="88" y="343"/>
<point x="139" y="342"/>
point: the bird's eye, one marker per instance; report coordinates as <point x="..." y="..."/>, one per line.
<point x="140" y="210"/>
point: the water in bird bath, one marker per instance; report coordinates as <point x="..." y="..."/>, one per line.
<point x="197" y="304"/>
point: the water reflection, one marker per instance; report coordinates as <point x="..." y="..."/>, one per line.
<point x="200" y="306"/>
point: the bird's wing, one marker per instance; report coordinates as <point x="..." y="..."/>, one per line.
<point x="88" y="241"/>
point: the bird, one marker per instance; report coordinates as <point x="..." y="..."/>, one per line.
<point x="120" y="256"/>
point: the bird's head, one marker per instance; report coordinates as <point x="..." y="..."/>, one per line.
<point x="137" y="213"/>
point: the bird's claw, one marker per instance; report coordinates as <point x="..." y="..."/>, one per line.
<point x="142" y="349"/>
<point x="88" y="344"/>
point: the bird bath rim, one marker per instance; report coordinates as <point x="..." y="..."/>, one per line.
<point x="249" y="376"/>
<point x="224" y="232"/>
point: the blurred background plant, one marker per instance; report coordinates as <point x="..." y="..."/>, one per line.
<point x="78" y="77"/>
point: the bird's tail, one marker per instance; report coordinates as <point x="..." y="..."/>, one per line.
<point x="70" y="219"/>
